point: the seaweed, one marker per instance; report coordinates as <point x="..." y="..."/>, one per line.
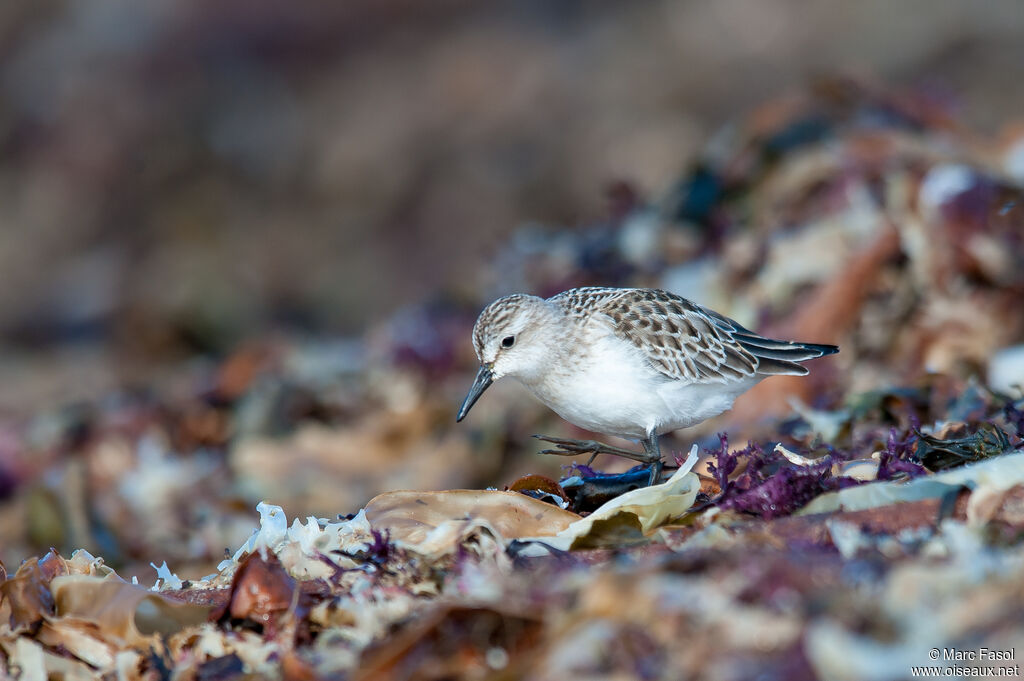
<point x="725" y="464"/>
<point x="589" y="492"/>
<point x="1014" y="417"/>
<point x="937" y="454"/>
<point x="770" y="486"/>
<point x="782" y="493"/>
<point x="898" y="459"/>
<point x="381" y="550"/>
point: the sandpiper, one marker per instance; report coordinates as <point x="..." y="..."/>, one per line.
<point x="632" y="362"/>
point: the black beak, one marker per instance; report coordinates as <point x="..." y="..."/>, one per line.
<point x="483" y="380"/>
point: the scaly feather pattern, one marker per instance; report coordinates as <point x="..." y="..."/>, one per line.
<point x="684" y="341"/>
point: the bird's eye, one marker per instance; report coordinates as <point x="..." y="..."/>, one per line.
<point x="508" y="341"/>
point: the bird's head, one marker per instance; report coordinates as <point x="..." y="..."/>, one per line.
<point x="509" y="341"/>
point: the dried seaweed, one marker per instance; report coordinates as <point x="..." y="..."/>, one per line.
<point x="28" y="595"/>
<point x="769" y="485"/>
<point x="1014" y="417"/>
<point x="899" y="458"/>
<point x="543" y="488"/>
<point x="380" y="550"/>
<point x="591" y="491"/>
<point x="849" y="214"/>
<point x="724" y="464"/>
<point x="989" y="440"/>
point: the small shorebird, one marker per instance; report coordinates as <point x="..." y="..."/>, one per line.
<point x="632" y="362"/>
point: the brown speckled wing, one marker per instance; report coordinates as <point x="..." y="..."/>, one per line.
<point x="685" y="341"/>
<point x="680" y="339"/>
<point x="583" y="302"/>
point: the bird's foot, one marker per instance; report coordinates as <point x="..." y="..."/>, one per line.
<point x="592" y="447"/>
<point x="656" y="467"/>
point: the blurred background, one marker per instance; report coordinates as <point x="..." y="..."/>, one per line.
<point x="178" y="176"/>
<point x="229" y="228"/>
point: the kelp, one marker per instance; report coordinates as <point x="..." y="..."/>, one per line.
<point x="937" y="454"/>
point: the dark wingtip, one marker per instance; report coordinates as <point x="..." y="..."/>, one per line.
<point x="823" y="349"/>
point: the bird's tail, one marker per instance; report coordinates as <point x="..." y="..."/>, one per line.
<point x="777" y="357"/>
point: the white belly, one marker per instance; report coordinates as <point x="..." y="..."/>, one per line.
<point x="612" y="390"/>
<point x="689" y="404"/>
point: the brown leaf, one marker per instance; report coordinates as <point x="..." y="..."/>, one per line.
<point x="622" y="529"/>
<point x="28" y="592"/>
<point x="53" y="565"/>
<point x="84" y="640"/>
<point x="261" y="591"/>
<point x="451" y="642"/>
<point x="410" y="516"/>
<point x="534" y="485"/>
<point x="123" y="611"/>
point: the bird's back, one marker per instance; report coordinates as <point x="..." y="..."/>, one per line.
<point x="684" y="341"/>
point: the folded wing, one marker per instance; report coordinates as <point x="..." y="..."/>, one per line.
<point x="685" y="341"/>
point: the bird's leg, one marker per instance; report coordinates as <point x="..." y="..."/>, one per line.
<point x="653" y="451"/>
<point x="577" y="447"/>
